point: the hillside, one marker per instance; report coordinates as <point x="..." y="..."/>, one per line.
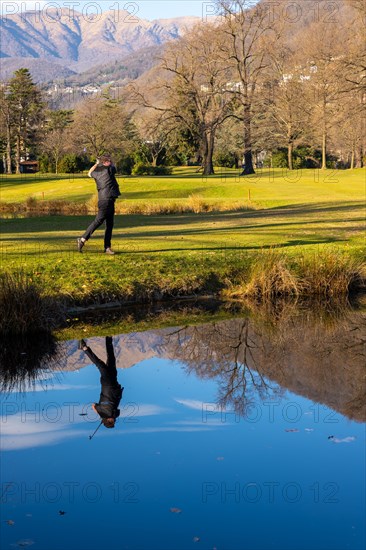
<point x="69" y="43"/>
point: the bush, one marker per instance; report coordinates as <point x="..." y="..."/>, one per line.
<point x="125" y="165"/>
<point x="279" y="159"/>
<point x="225" y="159"/>
<point x="45" y="164"/>
<point x="71" y="163"/>
<point x="141" y="169"/>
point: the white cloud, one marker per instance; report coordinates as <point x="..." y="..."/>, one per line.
<point x="145" y="410"/>
<point x="20" y="433"/>
<point x="199" y="405"/>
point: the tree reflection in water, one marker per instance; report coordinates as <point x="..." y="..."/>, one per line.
<point x="25" y="359"/>
<point x="319" y="354"/>
<point x="225" y="351"/>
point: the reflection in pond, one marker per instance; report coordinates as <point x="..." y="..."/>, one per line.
<point x="26" y="359"/>
<point x="323" y="362"/>
<point x="242" y="433"/>
<point x="111" y="390"/>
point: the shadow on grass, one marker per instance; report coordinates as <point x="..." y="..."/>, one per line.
<point x="134" y="220"/>
<point x="29" y="252"/>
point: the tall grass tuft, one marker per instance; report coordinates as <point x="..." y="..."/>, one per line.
<point x="24" y="309"/>
<point x="325" y="275"/>
<point x="198" y="204"/>
<point x="331" y="273"/>
<point x="271" y="277"/>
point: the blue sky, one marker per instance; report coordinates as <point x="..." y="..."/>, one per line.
<point x="145" y="9"/>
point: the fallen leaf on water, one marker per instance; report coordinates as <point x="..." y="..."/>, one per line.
<point x="24" y="542"/>
<point x="176" y="510"/>
<point x="10" y="522"/>
<point x="293" y="430"/>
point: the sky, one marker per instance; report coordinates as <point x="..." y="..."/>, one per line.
<point x="143" y="9"/>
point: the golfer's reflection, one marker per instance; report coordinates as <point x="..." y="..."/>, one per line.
<point x="111" y="390"/>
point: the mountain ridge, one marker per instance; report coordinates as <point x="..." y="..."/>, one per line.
<point x="72" y="43"/>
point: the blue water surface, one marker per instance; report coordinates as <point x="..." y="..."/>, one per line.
<point x="177" y="471"/>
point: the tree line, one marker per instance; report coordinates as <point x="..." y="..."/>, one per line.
<point x="248" y="89"/>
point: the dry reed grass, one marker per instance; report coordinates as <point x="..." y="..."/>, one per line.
<point x="273" y="275"/>
<point x="195" y="204"/>
<point x="24" y="308"/>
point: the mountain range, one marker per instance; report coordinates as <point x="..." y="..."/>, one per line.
<point x="59" y="43"/>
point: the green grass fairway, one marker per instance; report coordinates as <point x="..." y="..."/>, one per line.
<point x="182" y="254"/>
<point x="268" y="188"/>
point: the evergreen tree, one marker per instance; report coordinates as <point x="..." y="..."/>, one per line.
<point x="27" y="112"/>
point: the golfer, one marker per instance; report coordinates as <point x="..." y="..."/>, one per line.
<point x="104" y="173"/>
<point x="111" y="390"/>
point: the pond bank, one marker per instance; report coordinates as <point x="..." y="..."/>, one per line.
<point x="42" y="297"/>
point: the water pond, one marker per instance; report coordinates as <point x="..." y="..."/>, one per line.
<point x="246" y="433"/>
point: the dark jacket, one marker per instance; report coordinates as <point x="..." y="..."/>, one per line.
<point x="111" y="390"/>
<point x="108" y="401"/>
<point x="107" y="185"/>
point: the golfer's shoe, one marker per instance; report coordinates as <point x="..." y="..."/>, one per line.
<point x="109" y="251"/>
<point x="82" y="344"/>
<point x="80" y="245"/>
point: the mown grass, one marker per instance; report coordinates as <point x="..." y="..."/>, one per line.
<point x="299" y="239"/>
<point x="267" y="188"/>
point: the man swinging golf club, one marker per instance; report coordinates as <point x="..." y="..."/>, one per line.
<point x="111" y="390"/>
<point x="104" y="173"/>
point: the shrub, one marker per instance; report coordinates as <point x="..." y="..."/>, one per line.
<point x="279" y="159"/>
<point x="71" y="163"/>
<point x="45" y="164"/>
<point x="141" y="169"/>
<point x="225" y="159"/>
<point x="125" y="165"/>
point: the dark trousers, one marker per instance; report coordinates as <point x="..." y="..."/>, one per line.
<point x="105" y="214"/>
<point x="111" y="391"/>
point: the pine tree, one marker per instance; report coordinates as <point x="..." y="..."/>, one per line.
<point x="27" y="112"/>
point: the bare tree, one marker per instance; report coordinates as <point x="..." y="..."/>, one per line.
<point x="353" y="70"/>
<point x="286" y="117"/>
<point x="193" y="89"/>
<point x="57" y="139"/>
<point x="320" y="47"/>
<point x="250" y="33"/>
<point x="100" y="126"/>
